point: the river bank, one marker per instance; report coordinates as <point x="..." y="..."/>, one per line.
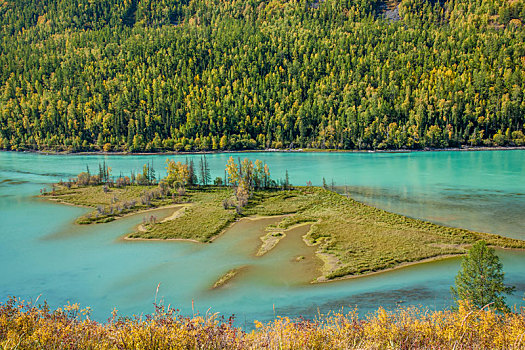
<point x="274" y="150"/>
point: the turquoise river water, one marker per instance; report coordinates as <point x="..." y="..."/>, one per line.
<point x="42" y="251"/>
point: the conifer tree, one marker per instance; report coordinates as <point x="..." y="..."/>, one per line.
<point x="204" y="171"/>
<point x="480" y="279"/>
<point x="193" y="174"/>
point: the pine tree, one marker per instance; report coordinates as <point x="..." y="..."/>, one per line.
<point x="193" y="176"/>
<point x="480" y="280"/>
<point x="100" y="173"/>
<point x="207" y="172"/>
<point x="151" y="173"/>
<point x="202" y="171"/>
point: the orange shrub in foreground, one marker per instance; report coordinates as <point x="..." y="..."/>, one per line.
<point x="24" y="326"/>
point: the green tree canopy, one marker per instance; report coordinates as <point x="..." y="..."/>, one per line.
<point x="480" y="279"/>
<point x="181" y="75"/>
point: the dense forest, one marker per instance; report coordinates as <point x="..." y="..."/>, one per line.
<point x="155" y="75"/>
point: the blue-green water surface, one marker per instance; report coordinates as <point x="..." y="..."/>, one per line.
<point x="42" y="251"/>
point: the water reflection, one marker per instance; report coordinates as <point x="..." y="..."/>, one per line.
<point x="484" y="210"/>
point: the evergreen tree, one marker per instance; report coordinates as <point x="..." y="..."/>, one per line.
<point x="201" y="172"/>
<point x="207" y="171"/>
<point x="193" y="175"/>
<point x="151" y="175"/>
<point x="102" y="172"/>
<point x="480" y="279"/>
<point x="204" y="171"/>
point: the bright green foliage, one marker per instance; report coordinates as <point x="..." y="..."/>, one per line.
<point x="182" y="75"/>
<point x="248" y="174"/>
<point x="178" y="174"/>
<point x="480" y="280"/>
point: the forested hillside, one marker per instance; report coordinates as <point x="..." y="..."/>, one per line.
<point x="146" y="75"/>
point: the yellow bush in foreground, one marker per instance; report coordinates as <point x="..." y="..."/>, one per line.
<point x="23" y="326"/>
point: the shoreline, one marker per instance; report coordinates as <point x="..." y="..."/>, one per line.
<point x="269" y="241"/>
<point x="220" y="234"/>
<point x="272" y="150"/>
<point x="177" y="213"/>
<point x="251" y="218"/>
<point x="127" y="238"/>
<point x="322" y="279"/>
<point x="117" y="217"/>
<point x="327" y="261"/>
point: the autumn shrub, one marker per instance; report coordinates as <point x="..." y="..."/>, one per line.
<point x="26" y="326"/>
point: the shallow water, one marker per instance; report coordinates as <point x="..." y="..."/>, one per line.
<point x="43" y="252"/>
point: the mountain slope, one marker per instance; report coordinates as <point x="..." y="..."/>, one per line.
<point x="143" y="75"/>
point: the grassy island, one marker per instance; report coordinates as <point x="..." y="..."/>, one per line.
<point x="351" y="238"/>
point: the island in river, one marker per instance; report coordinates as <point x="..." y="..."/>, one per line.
<point x="351" y="238"/>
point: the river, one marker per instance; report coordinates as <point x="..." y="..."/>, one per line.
<point x="42" y="251"/>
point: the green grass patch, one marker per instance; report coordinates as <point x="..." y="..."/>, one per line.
<point x="366" y="239"/>
<point x="202" y="221"/>
<point x="111" y="203"/>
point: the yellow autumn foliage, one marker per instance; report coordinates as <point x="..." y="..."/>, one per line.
<point x="24" y="326"/>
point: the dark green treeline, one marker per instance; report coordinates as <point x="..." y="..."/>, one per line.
<point x="145" y="75"/>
